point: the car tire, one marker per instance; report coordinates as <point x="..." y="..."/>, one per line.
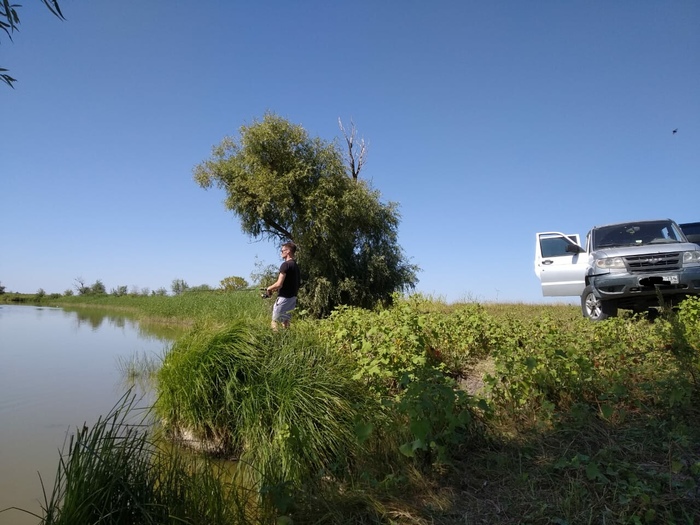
<point x="594" y="308"/>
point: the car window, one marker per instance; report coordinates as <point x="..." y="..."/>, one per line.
<point x="554" y="246"/>
<point x="691" y="229"/>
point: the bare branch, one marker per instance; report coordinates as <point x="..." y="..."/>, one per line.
<point x="356" y="159"/>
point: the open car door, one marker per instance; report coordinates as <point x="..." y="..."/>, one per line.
<point x="560" y="264"/>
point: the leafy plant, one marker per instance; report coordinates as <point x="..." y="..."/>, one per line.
<point x="440" y="417"/>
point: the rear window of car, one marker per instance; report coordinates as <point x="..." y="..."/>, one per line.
<point x="692" y="228"/>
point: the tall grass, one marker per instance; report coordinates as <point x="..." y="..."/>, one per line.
<point x="117" y="472"/>
<point x="213" y="306"/>
<point x="281" y="402"/>
<point x="139" y="370"/>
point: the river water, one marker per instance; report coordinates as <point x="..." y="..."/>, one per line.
<point x="58" y="370"/>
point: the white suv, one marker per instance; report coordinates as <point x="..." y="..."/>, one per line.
<point x="625" y="265"/>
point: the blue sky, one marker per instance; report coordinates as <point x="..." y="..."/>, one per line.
<point x="486" y="121"/>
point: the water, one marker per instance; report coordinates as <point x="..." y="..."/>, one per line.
<point x="58" y="370"/>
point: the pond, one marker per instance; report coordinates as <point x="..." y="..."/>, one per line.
<point x="59" y="369"/>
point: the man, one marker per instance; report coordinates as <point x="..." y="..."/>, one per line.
<point x="287" y="286"/>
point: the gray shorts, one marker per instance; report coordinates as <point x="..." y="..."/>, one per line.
<point x="282" y="311"/>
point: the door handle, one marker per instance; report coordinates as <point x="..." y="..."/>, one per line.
<point x="548" y="261"/>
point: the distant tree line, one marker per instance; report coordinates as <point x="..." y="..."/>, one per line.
<point x="177" y="287"/>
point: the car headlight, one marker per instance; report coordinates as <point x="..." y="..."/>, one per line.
<point x="611" y="263"/>
<point x="691" y="257"/>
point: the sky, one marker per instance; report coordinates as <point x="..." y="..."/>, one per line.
<point x="487" y="122"/>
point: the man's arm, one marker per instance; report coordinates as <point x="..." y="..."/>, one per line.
<point x="278" y="283"/>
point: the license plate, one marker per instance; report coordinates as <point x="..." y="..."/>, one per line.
<point x="670" y="279"/>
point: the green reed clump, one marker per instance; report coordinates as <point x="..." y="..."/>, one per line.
<point x="116" y="472"/>
<point x="192" y="383"/>
<point x="284" y="403"/>
<point x="138" y="369"/>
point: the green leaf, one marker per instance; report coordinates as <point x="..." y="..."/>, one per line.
<point x="592" y="470"/>
<point x="420" y="428"/>
<point x="407" y="450"/>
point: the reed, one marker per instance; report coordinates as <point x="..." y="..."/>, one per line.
<point x="118" y="472"/>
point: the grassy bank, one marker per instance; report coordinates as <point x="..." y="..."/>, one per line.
<point x="429" y="413"/>
<point x="183" y="309"/>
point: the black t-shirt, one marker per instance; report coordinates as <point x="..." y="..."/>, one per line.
<point x="290" y="286"/>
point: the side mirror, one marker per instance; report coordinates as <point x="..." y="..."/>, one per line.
<point x="573" y="248"/>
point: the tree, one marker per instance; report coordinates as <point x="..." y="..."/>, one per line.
<point x="2" y="289"/>
<point x="263" y="274"/>
<point x="284" y="185"/>
<point x="179" y="286"/>
<point x="98" y="288"/>
<point x="81" y="287"/>
<point x="9" y="22"/>
<point x="120" y="291"/>
<point x="355" y="159"/>
<point x="230" y="284"/>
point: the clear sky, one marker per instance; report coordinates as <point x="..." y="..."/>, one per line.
<point x="486" y="121"/>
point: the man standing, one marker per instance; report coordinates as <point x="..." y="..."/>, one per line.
<point x="288" y="285"/>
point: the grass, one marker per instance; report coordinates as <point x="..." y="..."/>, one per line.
<point x="139" y="370"/>
<point x="283" y="401"/>
<point x="117" y="472"/>
<point x="183" y="309"/>
<point x="583" y="422"/>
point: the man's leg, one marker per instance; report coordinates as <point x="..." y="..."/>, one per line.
<point x="281" y="312"/>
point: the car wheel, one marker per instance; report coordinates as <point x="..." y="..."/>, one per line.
<point x="594" y="308"/>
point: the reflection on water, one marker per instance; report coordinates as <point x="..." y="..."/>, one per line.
<point x="96" y="317"/>
<point x="60" y="368"/>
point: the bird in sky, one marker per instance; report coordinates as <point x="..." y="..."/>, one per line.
<point x="675" y="131"/>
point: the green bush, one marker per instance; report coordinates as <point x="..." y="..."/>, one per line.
<point x="396" y="359"/>
<point x="386" y="345"/>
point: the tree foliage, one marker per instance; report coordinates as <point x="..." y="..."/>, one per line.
<point x="9" y="22"/>
<point x="98" y="288"/>
<point x="232" y="283"/>
<point x="284" y="185"/>
<point x="179" y="286"/>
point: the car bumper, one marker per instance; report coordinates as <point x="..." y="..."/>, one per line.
<point x="681" y="282"/>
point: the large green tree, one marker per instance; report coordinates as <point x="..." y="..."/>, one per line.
<point x="285" y="185"/>
<point x="9" y="22"/>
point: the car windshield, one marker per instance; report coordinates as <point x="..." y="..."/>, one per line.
<point x="636" y="234"/>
